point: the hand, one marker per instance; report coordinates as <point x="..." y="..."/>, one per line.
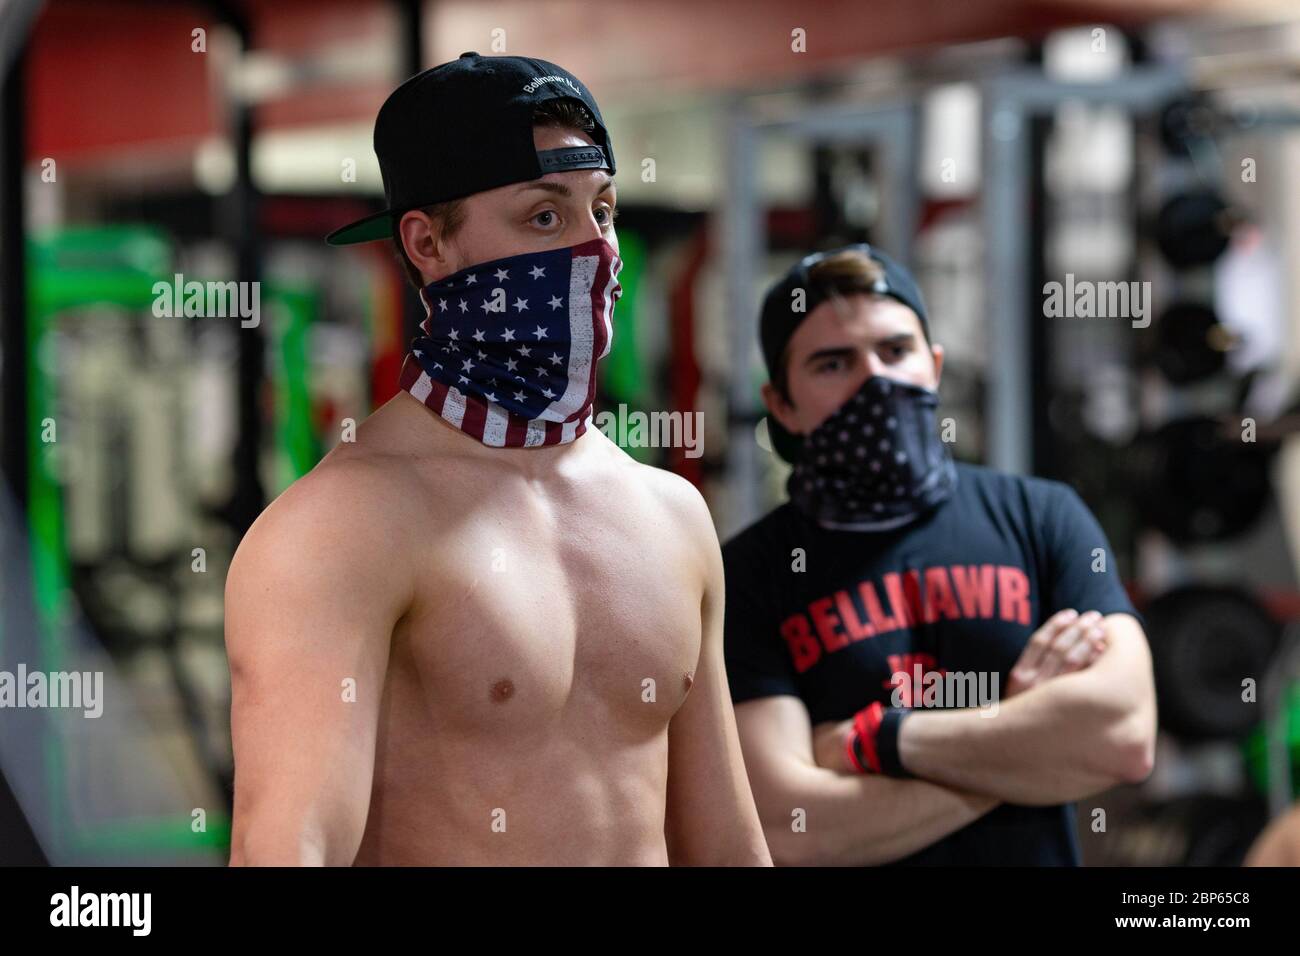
<point x="1068" y="642"/>
<point x="830" y="745"/>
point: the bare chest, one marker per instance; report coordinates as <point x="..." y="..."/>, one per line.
<point x="541" y="609"/>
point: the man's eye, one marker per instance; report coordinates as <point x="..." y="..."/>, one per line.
<point x="605" y="216"/>
<point x="544" y="218"/>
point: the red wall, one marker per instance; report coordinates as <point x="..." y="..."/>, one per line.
<point x="110" y="74"/>
<point x="106" y="74"/>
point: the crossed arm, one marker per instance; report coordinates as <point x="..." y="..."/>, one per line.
<point x="814" y="815"/>
<point x="1057" y="741"/>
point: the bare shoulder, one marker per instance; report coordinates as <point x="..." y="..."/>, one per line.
<point x="677" y="494"/>
<point x="339" y="529"/>
<point x="679" y="503"/>
<point x="343" y="494"/>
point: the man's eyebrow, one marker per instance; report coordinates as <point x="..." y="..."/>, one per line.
<point x="843" y="351"/>
<point x="547" y="186"/>
<point x="840" y="351"/>
<point x="901" y="338"/>
<point x="560" y="189"/>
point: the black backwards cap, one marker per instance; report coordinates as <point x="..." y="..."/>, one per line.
<point x="465" y="127"/>
<point x="778" y="319"/>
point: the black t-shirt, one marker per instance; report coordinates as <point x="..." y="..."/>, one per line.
<point x="961" y="589"/>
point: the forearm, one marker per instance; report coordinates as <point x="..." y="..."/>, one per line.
<point x="709" y="813"/>
<point x="277" y="852"/>
<point x="298" y="807"/>
<point x="282" y="827"/>
<point x="738" y="845"/>
<point x="268" y="838"/>
<point x="1059" y="741"/>
<point x="818" y="817"/>
<point x="1055" y="743"/>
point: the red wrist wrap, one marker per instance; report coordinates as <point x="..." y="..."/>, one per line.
<point x="862" y="743"/>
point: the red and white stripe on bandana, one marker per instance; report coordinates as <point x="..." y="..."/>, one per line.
<point x="510" y="347"/>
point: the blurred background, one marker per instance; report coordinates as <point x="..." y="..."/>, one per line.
<point x="995" y="146"/>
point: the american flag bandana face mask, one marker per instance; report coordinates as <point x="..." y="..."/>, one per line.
<point x="510" y="347"/>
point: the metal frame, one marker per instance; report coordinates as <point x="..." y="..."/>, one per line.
<point x="892" y="125"/>
<point x="1008" y="102"/>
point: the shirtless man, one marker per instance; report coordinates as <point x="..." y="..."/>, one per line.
<point x="481" y="633"/>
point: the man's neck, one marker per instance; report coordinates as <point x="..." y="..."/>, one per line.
<point x="408" y="426"/>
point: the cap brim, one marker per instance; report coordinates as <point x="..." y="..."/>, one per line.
<point x="378" y="226"/>
<point x="786" y="444"/>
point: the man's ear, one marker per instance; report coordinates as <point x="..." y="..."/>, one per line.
<point x="937" y="352"/>
<point x="781" y="409"/>
<point x="425" y="245"/>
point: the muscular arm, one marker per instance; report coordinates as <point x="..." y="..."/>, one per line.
<point x="710" y="817"/>
<point x="1057" y="742"/>
<point x="850" y="820"/>
<point x="311" y="600"/>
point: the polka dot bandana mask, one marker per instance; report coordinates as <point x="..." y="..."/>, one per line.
<point x="876" y="463"/>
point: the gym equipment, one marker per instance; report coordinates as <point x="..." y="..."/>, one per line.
<point x="1191" y="343"/>
<point x="1197" y="482"/>
<point x="1204" y="642"/>
<point x="103" y="268"/>
<point x="1192" y="229"/>
<point x="1187" y="124"/>
<point x="1198" y="830"/>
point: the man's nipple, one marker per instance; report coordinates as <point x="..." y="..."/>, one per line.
<point x="502" y="690"/>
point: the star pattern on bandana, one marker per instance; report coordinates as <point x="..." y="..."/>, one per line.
<point x="845" y="442"/>
<point x="509" y="347"/>
<point x="468" y="311"/>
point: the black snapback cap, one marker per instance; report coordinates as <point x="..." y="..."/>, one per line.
<point x="779" y="319"/>
<point x="467" y="126"/>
